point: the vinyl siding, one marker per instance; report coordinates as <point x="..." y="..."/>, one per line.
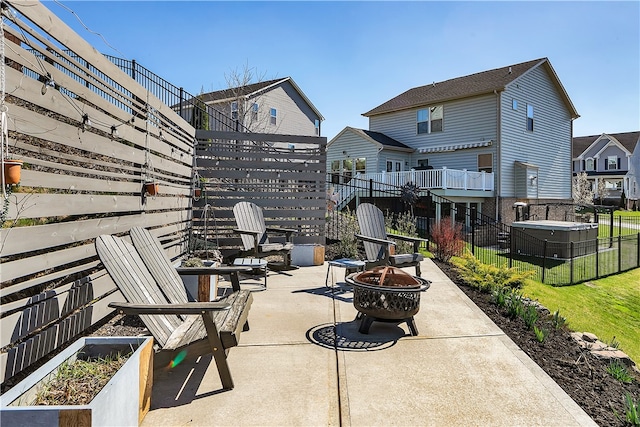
<point x="294" y="116"/>
<point x="464" y="121"/>
<point x="356" y="147"/>
<point x="613" y="151"/>
<point x="548" y="146"/>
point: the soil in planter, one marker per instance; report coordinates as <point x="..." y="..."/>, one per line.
<point x="79" y="381"/>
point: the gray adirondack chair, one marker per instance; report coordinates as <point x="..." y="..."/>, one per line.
<point x="176" y="325"/>
<point x="377" y="244"/>
<point x="255" y="234"/>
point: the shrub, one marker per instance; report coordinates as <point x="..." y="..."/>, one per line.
<point x="348" y="244"/>
<point x="488" y="277"/>
<point x="404" y="224"/>
<point x="447" y="235"/>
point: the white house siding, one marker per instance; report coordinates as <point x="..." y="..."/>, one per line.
<point x="355" y="147"/>
<point x="294" y="116"/>
<point x="548" y="146"/>
<point x="464" y="121"/>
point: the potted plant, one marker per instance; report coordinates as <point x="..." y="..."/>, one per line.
<point x="12" y="170"/>
<point x="190" y="281"/>
<point x="152" y="187"/>
<point x="116" y="403"/>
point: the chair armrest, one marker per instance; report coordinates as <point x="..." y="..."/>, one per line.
<point x="252" y="232"/>
<point x="415" y="240"/>
<point x="187" y="308"/>
<point x="203" y="271"/>
<point x="281" y="230"/>
<point x="375" y="240"/>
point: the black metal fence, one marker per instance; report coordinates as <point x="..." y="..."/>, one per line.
<point x="188" y="106"/>
<point x="553" y="262"/>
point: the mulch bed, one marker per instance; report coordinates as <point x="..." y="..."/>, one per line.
<point x="581" y="375"/>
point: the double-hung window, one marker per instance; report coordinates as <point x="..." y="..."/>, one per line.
<point x="273" y="116"/>
<point x="234" y="110"/>
<point x="254" y="111"/>
<point x="429" y="120"/>
<point x="530" y="118"/>
<point x="612" y="163"/>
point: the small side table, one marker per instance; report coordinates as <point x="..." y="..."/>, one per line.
<point x="350" y="266"/>
<point x="258" y="267"/>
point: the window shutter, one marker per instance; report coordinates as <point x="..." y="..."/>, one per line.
<point x="618" y="163"/>
<point x="584" y="165"/>
<point x="606" y="165"/>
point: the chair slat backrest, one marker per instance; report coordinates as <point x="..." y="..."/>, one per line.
<point x="249" y="217"/>
<point x="371" y="222"/>
<point x="159" y="265"/>
<point x="130" y="274"/>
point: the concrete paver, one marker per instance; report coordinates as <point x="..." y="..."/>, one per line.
<point x="304" y="363"/>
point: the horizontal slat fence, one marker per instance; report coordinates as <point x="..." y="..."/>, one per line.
<point x="283" y="174"/>
<point x="89" y="137"/>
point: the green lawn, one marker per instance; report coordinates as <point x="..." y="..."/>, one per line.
<point x="607" y="307"/>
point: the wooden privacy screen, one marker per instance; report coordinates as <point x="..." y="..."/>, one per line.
<point x="283" y="174"/>
<point x="89" y="137"/>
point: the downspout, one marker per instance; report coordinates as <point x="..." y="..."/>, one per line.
<point x="498" y="175"/>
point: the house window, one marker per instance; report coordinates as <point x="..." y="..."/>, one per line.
<point x="254" y="111"/>
<point x="589" y="165"/>
<point x="273" y="116"/>
<point x="612" y="163"/>
<point x="347" y="170"/>
<point x="530" y="118"/>
<point x="389" y="166"/>
<point x="398" y="166"/>
<point x="485" y="162"/>
<point x="429" y="120"/>
<point x="234" y="110"/>
<point x="361" y="165"/>
<point x="514" y="104"/>
<point x="335" y="172"/>
<point x="317" y="126"/>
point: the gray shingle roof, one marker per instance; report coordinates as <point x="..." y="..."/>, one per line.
<point x="381" y="138"/>
<point x="239" y="91"/>
<point x="462" y="87"/>
<point x="627" y="139"/>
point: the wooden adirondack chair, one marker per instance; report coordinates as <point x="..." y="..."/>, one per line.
<point x="377" y="244"/>
<point x="254" y="233"/>
<point x="176" y="325"/>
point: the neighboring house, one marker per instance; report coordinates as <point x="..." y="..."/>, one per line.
<point x="272" y="106"/>
<point x="491" y="139"/>
<point x="633" y="179"/>
<point x="354" y="149"/>
<point x="606" y="157"/>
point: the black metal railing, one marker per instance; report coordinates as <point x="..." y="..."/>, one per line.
<point x="493" y="242"/>
<point x="189" y="107"/>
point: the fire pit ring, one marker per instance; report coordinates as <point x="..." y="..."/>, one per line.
<point x="395" y="303"/>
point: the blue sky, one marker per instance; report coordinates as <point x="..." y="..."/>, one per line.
<point x="349" y="57"/>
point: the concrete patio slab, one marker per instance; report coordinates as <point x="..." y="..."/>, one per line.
<point x="304" y="363"/>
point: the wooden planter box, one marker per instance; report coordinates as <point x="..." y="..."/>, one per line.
<point x="118" y="403"/>
<point x="307" y="255"/>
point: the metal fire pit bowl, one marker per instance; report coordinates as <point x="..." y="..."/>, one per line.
<point x="394" y="304"/>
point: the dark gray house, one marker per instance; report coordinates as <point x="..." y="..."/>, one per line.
<point x="608" y="157"/>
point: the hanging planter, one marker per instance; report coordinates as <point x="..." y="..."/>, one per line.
<point x="152" y="188"/>
<point x="12" y="170"/>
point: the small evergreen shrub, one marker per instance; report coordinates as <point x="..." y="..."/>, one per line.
<point x="487" y="277"/>
<point x="447" y="236"/>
